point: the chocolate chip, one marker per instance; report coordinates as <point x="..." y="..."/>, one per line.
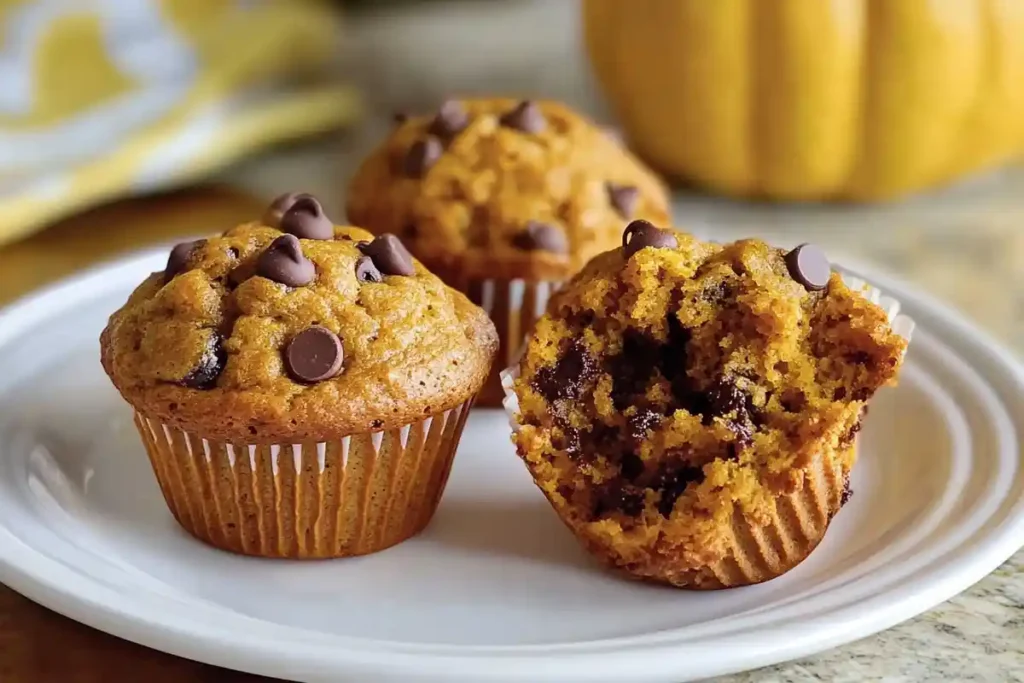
<point x="206" y="372"/>
<point x="422" y="156"/>
<point x="847" y="492"/>
<point x="624" y="198"/>
<point x="313" y="355"/>
<point x="400" y="117"/>
<point x="177" y="261"/>
<point x="619" y="497"/>
<point x="846" y="439"/>
<point x="451" y="120"/>
<point x="284" y="262"/>
<point x="305" y="218"/>
<point x="809" y="266"/>
<point x="571" y="442"/>
<point x="672" y="482"/>
<point x="568" y="377"/>
<point x="674" y="360"/>
<point x="366" y="271"/>
<point x="272" y="216"/>
<point x="743" y="431"/>
<point x="537" y="236"/>
<point x="389" y="255"/>
<point x="631" y="466"/>
<point x="725" y="397"/>
<point x="240" y="274"/>
<point x="717" y="293"/>
<point x="526" y="117"/>
<point x="632" y="369"/>
<point x="641" y="234"/>
<point x="642" y="422"/>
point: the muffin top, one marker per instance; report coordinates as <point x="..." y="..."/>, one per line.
<point x="292" y="327"/>
<point x="673" y="379"/>
<point x="500" y="188"/>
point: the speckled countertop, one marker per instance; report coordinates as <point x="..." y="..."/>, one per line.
<point x="965" y="246"/>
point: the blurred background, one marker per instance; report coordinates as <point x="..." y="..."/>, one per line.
<point x="886" y="131"/>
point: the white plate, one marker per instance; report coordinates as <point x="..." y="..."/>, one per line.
<point x="495" y="589"/>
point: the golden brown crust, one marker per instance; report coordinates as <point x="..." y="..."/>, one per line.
<point x="677" y="405"/>
<point x="465" y="212"/>
<point x="412" y="346"/>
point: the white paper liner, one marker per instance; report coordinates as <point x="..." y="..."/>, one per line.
<point x="901" y="324"/>
<point x="350" y="496"/>
<point x="513" y="305"/>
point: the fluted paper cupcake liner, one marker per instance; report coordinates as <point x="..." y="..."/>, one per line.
<point x="351" y="496"/>
<point x="514" y="306"/>
<point x="757" y="550"/>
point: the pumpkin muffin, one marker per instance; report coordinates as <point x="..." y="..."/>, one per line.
<point x="690" y="409"/>
<point x="300" y="387"/>
<point x="505" y="200"/>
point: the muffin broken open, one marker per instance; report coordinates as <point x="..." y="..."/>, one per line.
<point x="690" y="409"/>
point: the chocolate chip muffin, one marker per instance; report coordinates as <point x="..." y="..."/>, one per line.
<point x="690" y="409"/>
<point x="300" y="387"/>
<point x="504" y="200"/>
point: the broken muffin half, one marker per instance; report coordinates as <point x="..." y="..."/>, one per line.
<point x="691" y="409"/>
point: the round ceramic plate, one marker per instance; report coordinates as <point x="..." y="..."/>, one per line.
<point x="495" y="589"/>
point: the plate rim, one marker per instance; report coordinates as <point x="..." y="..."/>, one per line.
<point x="50" y="583"/>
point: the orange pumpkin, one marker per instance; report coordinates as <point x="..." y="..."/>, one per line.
<point x="814" y="99"/>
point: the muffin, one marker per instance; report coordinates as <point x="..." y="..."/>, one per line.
<point x="690" y="410"/>
<point x="300" y="388"/>
<point x="504" y="200"/>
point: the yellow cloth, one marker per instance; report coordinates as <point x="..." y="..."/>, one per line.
<point x="103" y="98"/>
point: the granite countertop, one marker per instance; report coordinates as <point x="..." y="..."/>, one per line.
<point x="964" y="245"/>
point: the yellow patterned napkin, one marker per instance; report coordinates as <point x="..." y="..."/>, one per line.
<point x="104" y="98"/>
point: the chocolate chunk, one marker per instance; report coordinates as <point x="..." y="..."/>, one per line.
<point x="624" y="198"/>
<point x="313" y="355"/>
<point x="282" y="203"/>
<point x="619" y="497"/>
<point x="809" y="266"/>
<point x="672" y="482"/>
<point x="571" y="442"/>
<point x="451" y="120"/>
<point x="632" y="369"/>
<point x="642" y="422"/>
<point x="284" y="262"/>
<point x="366" y="271"/>
<point x="400" y="117"/>
<point x="675" y="362"/>
<point x="743" y="429"/>
<point x="641" y="234"/>
<point x="389" y="255"/>
<point x="537" y="236"/>
<point x="725" y="397"/>
<point x="526" y="117"/>
<point x="847" y="492"/>
<point x="177" y="261"/>
<point x="631" y="466"/>
<point x="567" y="378"/>
<point x="422" y="156"/>
<point x="852" y="432"/>
<point x="206" y="372"/>
<point x="717" y="293"/>
<point x="305" y="218"/>
<point x="728" y="400"/>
